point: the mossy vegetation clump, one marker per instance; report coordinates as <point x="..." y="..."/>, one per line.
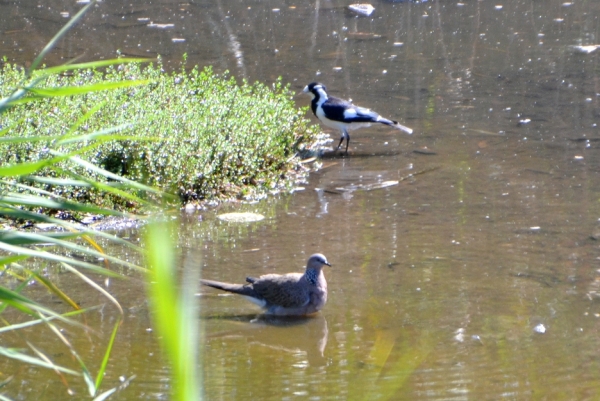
<point x="194" y="133"/>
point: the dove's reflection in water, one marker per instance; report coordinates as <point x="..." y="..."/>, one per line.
<point x="295" y="335"/>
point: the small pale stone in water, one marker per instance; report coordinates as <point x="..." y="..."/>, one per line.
<point x="241" y="217"/>
<point x="584" y="49"/>
<point x="362" y="9"/>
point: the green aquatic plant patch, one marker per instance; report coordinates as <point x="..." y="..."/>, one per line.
<point x="194" y="134"/>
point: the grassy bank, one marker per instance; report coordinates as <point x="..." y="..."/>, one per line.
<point x="190" y="133"/>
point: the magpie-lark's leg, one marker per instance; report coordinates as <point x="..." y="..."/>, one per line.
<point x="341" y="140"/>
<point x="347" y="135"/>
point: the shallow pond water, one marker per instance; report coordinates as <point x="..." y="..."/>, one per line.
<point x="475" y="276"/>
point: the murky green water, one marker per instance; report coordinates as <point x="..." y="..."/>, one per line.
<point x="476" y="278"/>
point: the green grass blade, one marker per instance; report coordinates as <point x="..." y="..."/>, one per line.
<point x="45" y="358"/>
<point x="106" y="394"/>
<point x="7" y="295"/>
<point x="62" y="140"/>
<point x="6" y="381"/>
<point x="14" y="354"/>
<point x="77" y="90"/>
<point x="87" y="377"/>
<point x="94" y="286"/>
<point x="11" y="100"/>
<point x="59" y="182"/>
<point x="49" y="284"/>
<point x="16" y="170"/>
<point x="8" y="129"/>
<point x="175" y="317"/>
<point x="26" y="215"/>
<point x="40" y="191"/>
<point x="31" y="308"/>
<point x="110" y="175"/>
<point x="21" y="169"/>
<point x="17" y="290"/>
<point x="37" y="201"/>
<point x="59" y="35"/>
<point x="188" y="375"/>
<point x="103" y="137"/>
<point x="11" y="259"/>
<point x="87" y="116"/>
<point x="109" y="348"/>
<point x="26" y="238"/>
<point x="18" y="326"/>
<point x="79" y="181"/>
<point x="161" y="286"/>
<point x="108" y="188"/>
<point x="91" y="65"/>
<point x="56" y="258"/>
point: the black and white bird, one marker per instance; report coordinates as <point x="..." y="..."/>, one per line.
<point x="342" y="114"/>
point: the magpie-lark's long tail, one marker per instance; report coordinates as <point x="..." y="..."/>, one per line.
<point x="395" y="124"/>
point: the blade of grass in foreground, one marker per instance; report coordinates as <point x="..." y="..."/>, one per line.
<point x="40" y="218"/>
<point x="47" y="318"/>
<point x="26" y="238"/>
<point x="78" y="90"/>
<point x="59" y="35"/>
<point x="19" y="94"/>
<point x="92" y="64"/>
<point x="175" y="317"/>
<point x="57" y="258"/>
<point x="101" y="135"/>
<point x="14" y="354"/>
<point x="106" y="358"/>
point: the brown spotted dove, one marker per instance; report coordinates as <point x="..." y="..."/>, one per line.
<point x="291" y="294"/>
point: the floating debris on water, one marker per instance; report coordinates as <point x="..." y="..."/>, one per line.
<point x="362" y="9"/>
<point x="486" y="133"/>
<point x="584" y="49"/>
<point x="523" y="121"/>
<point x="366" y="187"/>
<point x="160" y="26"/>
<point x="363" y="36"/>
<point x="424" y="150"/>
<point x="241" y="217"/>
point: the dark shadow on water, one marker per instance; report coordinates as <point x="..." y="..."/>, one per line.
<point x="266" y="320"/>
<point x="361" y="154"/>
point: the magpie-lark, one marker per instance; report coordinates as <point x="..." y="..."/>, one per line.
<point x="343" y="115"/>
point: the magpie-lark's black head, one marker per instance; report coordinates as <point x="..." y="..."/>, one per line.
<point x="316" y="89"/>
